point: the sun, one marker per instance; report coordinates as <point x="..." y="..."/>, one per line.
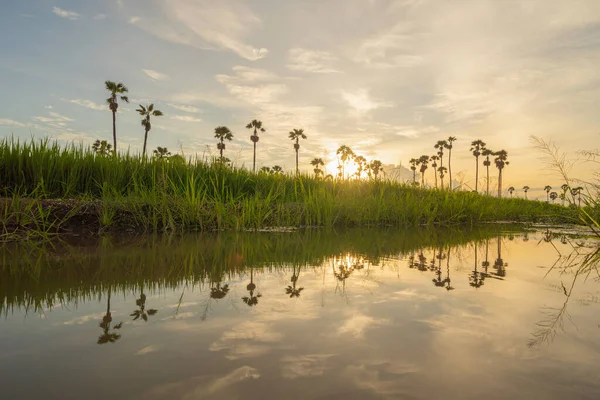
<point x="350" y="168"/>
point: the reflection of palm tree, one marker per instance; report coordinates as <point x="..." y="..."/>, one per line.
<point x="141" y="312"/>
<point x="251" y="300"/>
<point x="486" y="263"/>
<point x="476" y="279"/>
<point x="291" y="289"/>
<point x="499" y="264"/>
<point x="108" y="336"/>
<point x="438" y="281"/>
<point x="447" y="280"/>
<point x="218" y="292"/>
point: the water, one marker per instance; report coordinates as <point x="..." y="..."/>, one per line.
<point x="492" y="313"/>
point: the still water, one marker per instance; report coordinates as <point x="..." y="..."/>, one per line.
<point x="496" y="312"/>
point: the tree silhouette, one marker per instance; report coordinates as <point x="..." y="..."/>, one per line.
<point x="553" y="196"/>
<point x="361" y="163"/>
<point x="413" y="166"/>
<point x="476" y="279"/>
<point x="449" y="146"/>
<point x="486" y="163"/>
<point x="477" y="146"/>
<point x="162" y="153"/>
<point x="291" y="289"/>
<point x="525" y="189"/>
<point x="102" y="148"/>
<point x="424" y="161"/>
<point x="434" y="165"/>
<point x="256" y="126"/>
<point x="251" y="300"/>
<point x="565" y="189"/>
<point x="117" y="91"/>
<point x="376" y="167"/>
<point x="296" y="135"/>
<point x="438" y="281"/>
<point x="218" y="292"/>
<point x="222" y="133"/>
<point x="317" y="163"/>
<point x="344" y="154"/>
<point x="141" y="311"/>
<point x="547" y="188"/>
<point x="276" y="169"/>
<point x="146" y="113"/>
<point x="108" y="336"/>
<point x="511" y="190"/>
<point x="577" y="192"/>
<point x="499" y="264"/>
<point x="501" y="160"/>
<point x="442" y="171"/>
<point x="440" y="146"/>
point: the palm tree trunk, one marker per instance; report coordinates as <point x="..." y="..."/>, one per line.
<point x="145" y="140"/>
<point x="221" y="149"/>
<point x="423" y="179"/>
<point x="476" y="174"/>
<point x="254" y="159"/>
<point x="450" y="168"/>
<point x="487" y="191"/>
<point x="297" y="170"/>
<point x="500" y="184"/>
<point x="114" y="132"/>
<point x="435" y="176"/>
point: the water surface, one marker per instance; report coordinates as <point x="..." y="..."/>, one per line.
<point x="495" y="312"/>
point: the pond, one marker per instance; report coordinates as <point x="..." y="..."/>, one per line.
<point x="492" y="312"/>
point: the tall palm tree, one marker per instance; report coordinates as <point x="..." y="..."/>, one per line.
<point x="376" y="167"/>
<point x="146" y="113"/>
<point x="565" y="189"/>
<point x="413" y="166"/>
<point x="477" y="146"/>
<point x="487" y="153"/>
<point x="116" y="92"/>
<point x="296" y="135"/>
<point x="547" y="188"/>
<point x="511" y="190"/>
<point x="222" y="133"/>
<point x="434" y="158"/>
<point x="361" y="163"/>
<point x="501" y="160"/>
<point x="317" y="163"/>
<point x="553" y="196"/>
<point x="577" y="192"/>
<point x="449" y="146"/>
<point x="442" y="171"/>
<point x="424" y="161"/>
<point x="344" y="153"/>
<point x="526" y="189"/>
<point x="256" y="126"/>
<point x="440" y="146"/>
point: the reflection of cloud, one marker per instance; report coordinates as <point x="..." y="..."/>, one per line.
<point x="384" y="379"/>
<point x="358" y="324"/>
<point x="304" y="366"/>
<point x="145" y="350"/>
<point x="249" y="339"/>
<point x="84" y="319"/>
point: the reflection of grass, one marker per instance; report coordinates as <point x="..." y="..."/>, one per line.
<point x="56" y="272"/>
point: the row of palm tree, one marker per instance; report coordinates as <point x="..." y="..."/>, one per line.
<point x="553" y="195"/>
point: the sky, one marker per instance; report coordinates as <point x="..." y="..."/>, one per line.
<point x="389" y="78"/>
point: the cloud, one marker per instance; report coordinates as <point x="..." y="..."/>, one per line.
<point x="311" y="61"/>
<point x="205" y="24"/>
<point x="256" y="86"/>
<point x="155" y="75"/>
<point x="99" y="17"/>
<point x="11" y="122"/>
<point x="185" y="118"/>
<point x="361" y="101"/>
<point x="185" y="108"/>
<point x="86" y="103"/>
<point x="72" y="15"/>
<point x="358" y="324"/>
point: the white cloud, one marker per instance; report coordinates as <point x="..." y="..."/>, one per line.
<point x="361" y="101"/>
<point x="185" y="118"/>
<point x="206" y="24"/>
<point x="356" y="325"/>
<point x="185" y="108"/>
<point x="72" y="15"/>
<point x="11" y="122"/>
<point x="86" y="103"/>
<point x="134" y="20"/>
<point x="311" y="61"/>
<point x="155" y="75"/>
<point x="99" y="17"/>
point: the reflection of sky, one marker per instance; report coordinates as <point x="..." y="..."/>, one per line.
<point x="385" y="332"/>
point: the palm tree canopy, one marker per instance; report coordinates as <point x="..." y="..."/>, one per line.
<point x="317" y="161"/>
<point x="501" y="158"/>
<point x="448" y="143"/>
<point x="296" y="134"/>
<point x="116" y="89"/>
<point x="441" y="144"/>
<point x="526" y="188"/>
<point x="548" y="188"/>
<point x="477" y="146"/>
<point x="256" y="125"/>
<point x="223" y="132"/>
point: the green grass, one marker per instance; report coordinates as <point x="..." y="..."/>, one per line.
<point x="128" y="193"/>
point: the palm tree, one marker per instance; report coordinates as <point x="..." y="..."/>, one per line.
<point x="266" y="170"/>
<point x="547" y="188"/>
<point x="256" y="126"/>
<point x="141" y="311"/>
<point x="222" y="133"/>
<point x="442" y="171"/>
<point x="440" y="146"/>
<point x="577" y="192"/>
<point x="434" y="158"/>
<point x="511" y="190"/>
<point x="102" y="148"/>
<point x="413" y="166"/>
<point x="296" y="134"/>
<point x="291" y="289"/>
<point x="553" y="196"/>
<point x="448" y="145"/>
<point x="344" y="153"/>
<point x="317" y="163"/>
<point x="115" y="90"/>
<point x="424" y="161"/>
<point x="499" y="264"/>
<point x="526" y="189"/>
<point x="501" y="161"/>
<point x="476" y="279"/>
<point x="218" y="292"/>
<point x="108" y="336"/>
<point x="251" y="300"/>
<point x="360" y="165"/>
<point x="563" y="196"/>
<point x="487" y="153"/>
<point x="276" y="169"/>
<point x="376" y="167"/>
<point x="146" y="113"/>
<point x="477" y="146"/>
<point x="161" y="153"/>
